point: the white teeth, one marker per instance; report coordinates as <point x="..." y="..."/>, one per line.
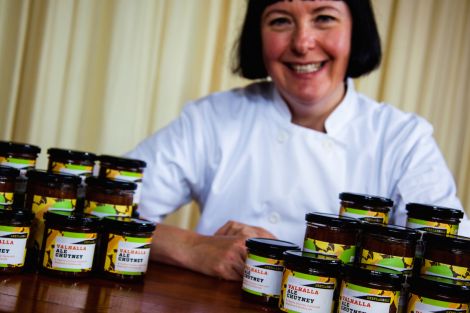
<point x="307" y="68"/>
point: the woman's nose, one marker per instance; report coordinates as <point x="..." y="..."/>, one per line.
<point x="303" y="39"/>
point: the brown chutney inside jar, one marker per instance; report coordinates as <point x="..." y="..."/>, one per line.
<point x="446" y="256"/>
<point x="8" y="178"/>
<point x="365" y="207"/>
<point x="330" y="234"/>
<point x="388" y="246"/>
<point x="104" y="197"/>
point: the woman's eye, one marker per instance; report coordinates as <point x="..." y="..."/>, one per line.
<point x="280" y="21"/>
<point x="324" y="19"/>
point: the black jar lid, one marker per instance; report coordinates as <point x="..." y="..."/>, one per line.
<point x="10" y="172"/>
<point x="71" y="218"/>
<point x="430" y="286"/>
<point x="333" y="220"/>
<point x="428" y="210"/>
<point x="312" y="262"/>
<point x="129" y="224"/>
<point x="17" y="215"/>
<point x="393" y="231"/>
<point x="447" y="242"/>
<point x="93" y="181"/>
<point x="270" y="246"/>
<point x="71" y="154"/>
<point x="367" y="200"/>
<point x="122" y="162"/>
<point x="48" y="177"/>
<point x="18" y="147"/>
<point x="373" y="273"/>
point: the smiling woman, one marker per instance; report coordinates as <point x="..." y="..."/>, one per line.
<point x="99" y="76"/>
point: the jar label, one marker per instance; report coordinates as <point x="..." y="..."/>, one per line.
<point x="262" y="276"/>
<point x="13" y="245"/>
<point x="345" y="253"/>
<point x="21" y="164"/>
<point x="428" y="305"/>
<point x="445" y="270"/>
<point x="127" y="255"/>
<point x="397" y="263"/>
<point x="365" y="215"/>
<point x="105" y="209"/>
<point x="74" y="169"/>
<point x="354" y="298"/>
<point x="6" y="198"/>
<point x="307" y="293"/>
<point x="69" y="251"/>
<point x="433" y="227"/>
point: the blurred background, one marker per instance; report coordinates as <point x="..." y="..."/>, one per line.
<point x="101" y="75"/>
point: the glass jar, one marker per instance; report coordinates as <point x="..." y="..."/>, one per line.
<point x="71" y="162"/>
<point x="371" y="289"/>
<point x="433" y="218"/>
<point x="446" y="256"/>
<point x="388" y="246"/>
<point x="125" y="249"/>
<point x="21" y="156"/>
<point x="330" y="234"/>
<point x="15" y="226"/>
<point x="119" y="168"/>
<point x="365" y="207"/>
<point x="104" y="197"/>
<point x="8" y="178"/>
<point x="69" y="243"/>
<point x="45" y="192"/>
<point x="437" y="294"/>
<point x="263" y="270"/>
<point x="310" y="282"/>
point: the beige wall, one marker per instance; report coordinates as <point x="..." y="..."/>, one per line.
<point x="100" y="75"/>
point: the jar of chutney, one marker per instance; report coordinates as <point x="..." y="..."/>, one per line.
<point x="21" y="156"/>
<point x="365" y="207"/>
<point x="68" y="247"/>
<point x="125" y="249"/>
<point x="8" y="176"/>
<point x="104" y="197"/>
<point x="332" y="234"/>
<point x="15" y="226"/>
<point x="72" y="162"/>
<point x="433" y="218"/>
<point x="263" y="270"/>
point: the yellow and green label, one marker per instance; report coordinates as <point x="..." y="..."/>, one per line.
<point x="17" y="163"/>
<point x="69" y="168"/>
<point x="345" y="253"/>
<point x="262" y="276"/>
<point x="69" y="251"/>
<point x="106" y="209"/>
<point x="13" y="245"/>
<point x="127" y="255"/>
<point x="356" y="298"/>
<point x="427" y="305"/>
<point x="365" y="215"/>
<point x="124" y="175"/>
<point x="445" y="270"/>
<point x="6" y="199"/>
<point x="434" y="227"/>
<point x="385" y="260"/>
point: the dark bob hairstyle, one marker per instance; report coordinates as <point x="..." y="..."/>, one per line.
<point x="366" y="51"/>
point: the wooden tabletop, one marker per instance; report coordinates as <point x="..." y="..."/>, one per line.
<point x="165" y="289"/>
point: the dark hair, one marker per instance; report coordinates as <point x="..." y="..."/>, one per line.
<point x="365" y="55"/>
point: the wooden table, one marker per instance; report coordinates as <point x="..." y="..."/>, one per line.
<point x="166" y="289"/>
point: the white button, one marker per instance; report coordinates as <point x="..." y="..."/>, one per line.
<point x="282" y="136"/>
<point x="274" y="217"/>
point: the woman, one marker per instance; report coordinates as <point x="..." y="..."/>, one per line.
<point x="260" y="157"/>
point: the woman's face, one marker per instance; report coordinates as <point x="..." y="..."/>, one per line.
<point x="306" y="47"/>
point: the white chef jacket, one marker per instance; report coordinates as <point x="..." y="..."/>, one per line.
<point x="239" y="155"/>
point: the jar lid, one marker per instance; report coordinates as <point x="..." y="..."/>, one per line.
<point x="16" y="215"/>
<point x="124" y="223"/>
<point x="6" y="171"/>
<point x="429" y="210"/>
<point x="71" y="154"/>
<point x="10" y="146"/>
<point x="374" y="273"/>
<point x="93" y="181"/>
<point x="428" y="285"/>
<point x="48" y="177"/>
<point x="448" y="242"/>
<point x="312" y="261"/>
<point x="334" y="220"/>
<point x="268" y="245"/>
<point x="71" y="218"/>
<point x="124" y="162"/>
<point x="366" y="199"/>
<point x="393" y="231"/>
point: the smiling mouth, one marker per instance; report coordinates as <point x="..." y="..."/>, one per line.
<point x="307" y="68"/>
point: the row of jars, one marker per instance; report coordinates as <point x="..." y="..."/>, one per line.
<point x="75" y="245"/>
